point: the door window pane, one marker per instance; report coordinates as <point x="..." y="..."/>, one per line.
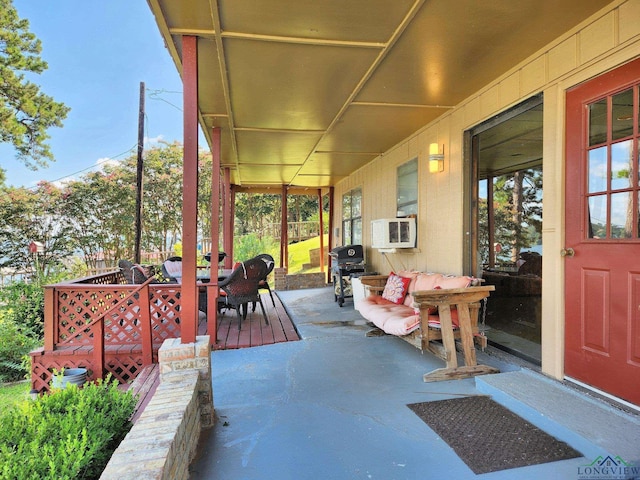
<point x="598" y="170"/>
<point x="621" y="165"/>
<point x="622" y="115"/>
<point x="598" y="216"/>
<point x="598" y="122"/>
<point x="621" y="215"/>
<point x="613" y="164"/>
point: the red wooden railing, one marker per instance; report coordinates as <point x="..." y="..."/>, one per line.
<point x="102" y="324"/>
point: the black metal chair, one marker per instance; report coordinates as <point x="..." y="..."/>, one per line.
<point x="242" y="287"/>
<point x="264" y="284"/>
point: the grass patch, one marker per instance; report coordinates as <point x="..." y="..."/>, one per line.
<point x="13" y="393"/>
<point x="299" y="254"/>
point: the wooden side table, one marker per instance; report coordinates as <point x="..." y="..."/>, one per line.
<point x="462" y="298"/>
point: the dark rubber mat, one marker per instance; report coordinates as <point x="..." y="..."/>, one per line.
<point x="488" y="437"/>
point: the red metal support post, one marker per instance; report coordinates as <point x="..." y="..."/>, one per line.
<point x="321" y="220"/>
<point x="284" y="232"/>
<point x="232" y="226"/>
<point x="145" y="324"/>
<point x="331" y="217"/>
<point x="190" y="189"/>
<point x="50" y="318"/>
<point x="98" y="349"/>
<point x="212" y="287"/>
<point x="227" y="220"/>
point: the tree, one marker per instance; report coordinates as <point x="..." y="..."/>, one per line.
<point x="33" y="215"/>
<point x="25" y="112"/>
<point x="101" y="208"/>
<point x="162" y="200"/>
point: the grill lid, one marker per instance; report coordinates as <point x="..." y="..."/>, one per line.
<point x="347" y="254"/>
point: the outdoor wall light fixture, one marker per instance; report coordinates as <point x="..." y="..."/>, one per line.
<point x="436" y="158"/>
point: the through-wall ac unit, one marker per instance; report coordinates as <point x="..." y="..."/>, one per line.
<point x="393" y="233"/>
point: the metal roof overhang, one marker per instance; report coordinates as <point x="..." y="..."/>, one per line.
<point x="305" y="92"/>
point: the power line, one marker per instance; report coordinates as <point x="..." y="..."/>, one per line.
<point x="155" y="95"/>
<point x="97" y="164"/>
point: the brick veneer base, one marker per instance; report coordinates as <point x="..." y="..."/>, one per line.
<point x="298" y="281"/>
<point x="163" y="441"/>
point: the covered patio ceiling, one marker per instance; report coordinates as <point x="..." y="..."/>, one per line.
<point x="305" y="92"/>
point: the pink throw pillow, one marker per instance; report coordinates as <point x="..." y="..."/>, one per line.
<point x="396" y="288"/>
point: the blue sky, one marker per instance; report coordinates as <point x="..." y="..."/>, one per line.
<point x="98" y="53"/>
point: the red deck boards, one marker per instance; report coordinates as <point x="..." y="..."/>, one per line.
<point x="144" y="386"/>
<point x="255" y="331"/>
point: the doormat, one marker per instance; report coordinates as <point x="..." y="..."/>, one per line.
<point x="488" y="437"/>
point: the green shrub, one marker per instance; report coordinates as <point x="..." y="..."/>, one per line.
<point x="248" y="246"/>
<point x="15" y="346"/>
<point x="23" y="303"/>
<point x="68" y="434"/>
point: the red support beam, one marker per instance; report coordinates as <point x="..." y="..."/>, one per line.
<point x="320" y="217"/>
<point x="284" y="232"/>
<point x="189" y="311"/>
<point x="97" y="330"/>
<point x="212" y="287"/>
<point x="50" y="318"/>
<point x="145" y="324"/>
<point x="331" y="216"/>
<point x="227" y="219"/>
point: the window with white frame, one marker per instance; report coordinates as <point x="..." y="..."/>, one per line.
<point x="407" y="189"/>
<point x="352" y="217"/>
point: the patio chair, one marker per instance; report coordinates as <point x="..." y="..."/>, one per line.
<point x="264" y="284"/>
<point x="172" y="269"/>
<point x="133" y="273"/>
<point x="241" y="288"/>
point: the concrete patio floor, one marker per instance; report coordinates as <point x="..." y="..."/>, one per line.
<point x="333" y="406"/>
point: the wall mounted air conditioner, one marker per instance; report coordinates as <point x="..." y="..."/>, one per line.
<point x="393" y="233"/>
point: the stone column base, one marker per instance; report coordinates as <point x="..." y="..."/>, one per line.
<point x="176" y="358"/>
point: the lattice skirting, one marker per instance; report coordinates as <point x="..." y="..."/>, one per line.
<point x="123" y="367"/>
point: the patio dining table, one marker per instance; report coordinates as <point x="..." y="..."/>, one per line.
<point x="205" y="276"/>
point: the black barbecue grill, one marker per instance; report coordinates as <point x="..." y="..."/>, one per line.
<point x="345" y="261"/>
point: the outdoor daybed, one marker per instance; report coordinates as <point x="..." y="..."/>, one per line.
<point x="426" y="308"/>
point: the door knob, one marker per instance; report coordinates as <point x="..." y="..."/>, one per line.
<point x="567" y="252"/>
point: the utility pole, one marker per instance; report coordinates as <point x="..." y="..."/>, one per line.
<point x="139" y="175"/>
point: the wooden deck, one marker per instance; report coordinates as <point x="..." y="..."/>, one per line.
<point x="110" y="327"/>
<point x="254" y="331"/>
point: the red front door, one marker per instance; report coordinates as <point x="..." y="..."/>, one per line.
<point x="602" y="262"/>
